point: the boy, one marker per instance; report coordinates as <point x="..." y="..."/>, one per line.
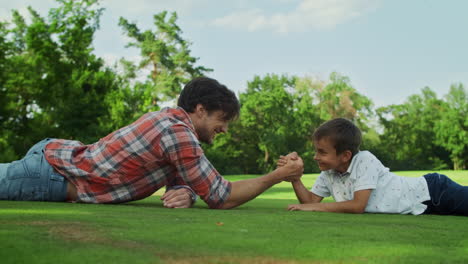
<point x="359" y="182"/>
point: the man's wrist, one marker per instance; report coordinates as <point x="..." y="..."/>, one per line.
<point x="193" y="196"/>
<point x="279" y="174"/>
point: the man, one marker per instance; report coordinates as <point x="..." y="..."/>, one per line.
<point x="159" y="149"/>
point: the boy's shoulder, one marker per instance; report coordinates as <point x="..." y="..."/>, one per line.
<point x="363" y="157"/>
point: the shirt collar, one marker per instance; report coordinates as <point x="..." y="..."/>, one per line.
<point x="353" y="161"/>
<point x="180" y="114"/>
<point x="348" y="171"/>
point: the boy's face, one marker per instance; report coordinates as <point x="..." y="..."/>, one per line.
<point x="327" y="159"/>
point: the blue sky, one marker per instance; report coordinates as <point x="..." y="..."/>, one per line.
<point x="388" y="49"/>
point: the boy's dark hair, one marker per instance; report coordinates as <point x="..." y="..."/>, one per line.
<point x="212" y="95"/>
<point x="343" y="134"/>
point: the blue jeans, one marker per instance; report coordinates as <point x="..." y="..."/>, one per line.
<point x="447" y="196"/>
<point x="32" y="178"/>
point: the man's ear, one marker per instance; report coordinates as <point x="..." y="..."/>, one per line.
<point x="200" y="111"/>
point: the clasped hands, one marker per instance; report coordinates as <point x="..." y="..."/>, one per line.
<point x="293" y="164"/>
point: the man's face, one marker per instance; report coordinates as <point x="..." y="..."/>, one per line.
<point x="326" y="157"/>
<point x="211" y="123"/>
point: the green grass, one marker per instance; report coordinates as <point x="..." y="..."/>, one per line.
<point x="261" y="231"/>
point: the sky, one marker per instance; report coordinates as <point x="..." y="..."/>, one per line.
<point x="389" y="49"/>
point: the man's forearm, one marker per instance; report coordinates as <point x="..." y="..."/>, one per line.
<point x="245" y="190"/>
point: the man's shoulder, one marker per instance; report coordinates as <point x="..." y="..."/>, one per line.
<point x="168" y="117"/>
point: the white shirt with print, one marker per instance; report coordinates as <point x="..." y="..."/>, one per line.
<point x="390" y="193"/>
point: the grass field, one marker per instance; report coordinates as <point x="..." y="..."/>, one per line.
<point x="261" y="231"/>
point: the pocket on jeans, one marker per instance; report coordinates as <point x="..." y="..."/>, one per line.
<point x="28" y="167"/>
<point x="30" y="194"/>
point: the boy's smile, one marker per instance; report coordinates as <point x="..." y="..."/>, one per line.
<point x="327" y="159"/>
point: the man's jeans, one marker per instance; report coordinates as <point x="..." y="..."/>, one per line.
<point x="32" y="178"/>
<point x="447" y="196"/>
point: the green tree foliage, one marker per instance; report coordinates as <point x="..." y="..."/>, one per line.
<point x="263" y="131"/>
<point x="166" y="55"/>
<point x="279" y="115"/>
<point x="409" y="132"/>
<point x="52" y="83"/>
<point x="452" y="127"/>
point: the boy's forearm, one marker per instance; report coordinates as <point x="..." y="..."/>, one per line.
<point x="335" y="207"/>
<point x="355" y="206"/>
<point x="302" y="194"/>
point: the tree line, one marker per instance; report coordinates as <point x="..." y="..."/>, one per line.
<point x="53" y="85"/>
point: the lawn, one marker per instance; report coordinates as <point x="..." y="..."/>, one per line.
<point x="261" y="231"/>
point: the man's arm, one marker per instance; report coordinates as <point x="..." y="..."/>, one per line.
<point x="245" y="190"/>
<point x="356" y="206"/>
<point x="178" y="196"/>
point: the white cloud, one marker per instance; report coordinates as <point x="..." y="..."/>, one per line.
<point x="309" y="14"/>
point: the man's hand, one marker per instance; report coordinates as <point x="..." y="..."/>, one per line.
<point x="293" y="164"/>
<point x="179" y="198"/>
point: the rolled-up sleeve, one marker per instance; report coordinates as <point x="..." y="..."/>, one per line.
<point x="182" y="149"/>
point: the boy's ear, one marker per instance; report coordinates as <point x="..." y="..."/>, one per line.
<point x="347" y="155"/>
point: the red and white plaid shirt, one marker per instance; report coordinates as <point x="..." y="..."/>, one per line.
<point x="161" y="148"/>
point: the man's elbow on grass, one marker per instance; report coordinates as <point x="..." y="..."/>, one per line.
<point x="227" y="205"/>
<point x="224" y="205"/>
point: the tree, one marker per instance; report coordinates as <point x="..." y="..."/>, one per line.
<point x="52" y="84"/>
<point x="167" y="57"/>
<point x="409" y="132"/>
<point x="452" y="126"/>
<point x="279" y="114"/>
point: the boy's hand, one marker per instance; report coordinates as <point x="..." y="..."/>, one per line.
<point x="283" y="160"/>
<point x="301" y="207"/>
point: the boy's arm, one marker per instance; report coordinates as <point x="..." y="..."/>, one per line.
<point x="356" y="206"/>
<point x="303" y="195"/>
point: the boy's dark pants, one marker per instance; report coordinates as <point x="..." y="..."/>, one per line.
<point x="447" y="196"/>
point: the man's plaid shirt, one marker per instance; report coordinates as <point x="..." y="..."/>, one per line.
<point x="161" y="148"/>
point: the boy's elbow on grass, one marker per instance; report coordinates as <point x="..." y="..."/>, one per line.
<point x="359" y="209"/>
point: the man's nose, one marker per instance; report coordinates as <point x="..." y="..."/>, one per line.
<point x="224" y="129"/>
